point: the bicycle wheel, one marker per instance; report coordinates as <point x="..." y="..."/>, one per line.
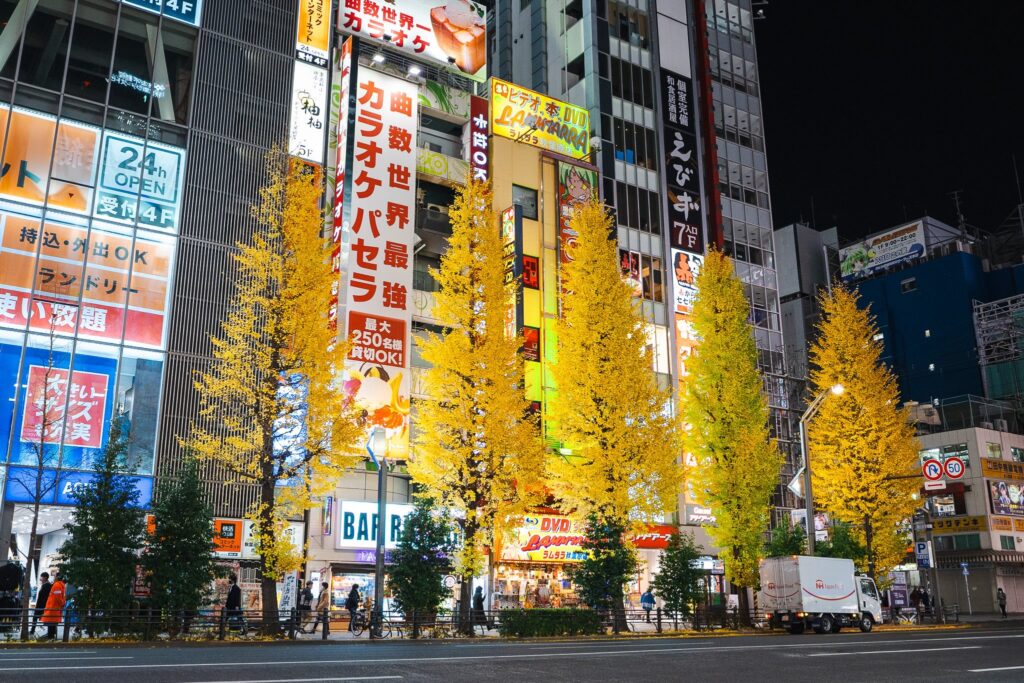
<point x="358" y="626"/>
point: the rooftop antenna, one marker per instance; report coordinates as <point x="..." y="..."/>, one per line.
<point x="1020" y="197"/>
<point x="961" y="223"/>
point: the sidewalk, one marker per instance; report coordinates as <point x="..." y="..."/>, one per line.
<point x="992" y="619"/>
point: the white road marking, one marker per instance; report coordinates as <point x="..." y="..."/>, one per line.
<point x="889" y="652"/>
<point x="310" y="680"/>
<point x="579" y="653"/>
<point x="998" y="668"/>
<point x="50" y="659"/>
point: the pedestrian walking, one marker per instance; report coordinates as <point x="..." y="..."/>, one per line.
<point x="305" y="606"/>
<point x="352" y="605"/>
<point x="323" y="602"/>
<point x="915" y="598"/>
<point x="926" y="601"/>
<point x="478" y="617"/>
<point x="41" y="595"/>
<point x="647" y="602"/>
<point x="53" y="612"/>
<point x="233" y="605"/>
<point x="1001" y="599"/>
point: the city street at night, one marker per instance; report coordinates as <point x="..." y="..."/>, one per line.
<point x="940" y="655"/>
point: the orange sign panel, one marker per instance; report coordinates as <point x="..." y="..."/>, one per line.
<point x="28" y="143"/>
<point x="106" y="269"/>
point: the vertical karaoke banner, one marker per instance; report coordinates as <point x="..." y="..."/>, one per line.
<point x="378" y="277"/>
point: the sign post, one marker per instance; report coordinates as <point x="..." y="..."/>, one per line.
<point x="967" y="572"/>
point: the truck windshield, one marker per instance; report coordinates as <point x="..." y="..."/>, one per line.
<point x="867" y="587"/>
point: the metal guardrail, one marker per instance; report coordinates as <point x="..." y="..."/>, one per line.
<point x="218" y="624"/>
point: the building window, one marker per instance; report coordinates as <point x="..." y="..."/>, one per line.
<point x="1016" y="454"/>
<point x="967" y="542"/>
<point x="908" y="285"/>
<point x="526" y="198"/>
<point x="1006" y="543"/>
<point x="993" y="450"/>
<point x="943" y="543"/>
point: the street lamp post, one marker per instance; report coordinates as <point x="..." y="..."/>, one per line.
<point x="377" y="447"/>
<point x="812" y="409"/>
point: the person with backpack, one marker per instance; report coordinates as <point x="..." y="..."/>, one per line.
<point x="352" y="605"/>
<point x="305" y="606"/>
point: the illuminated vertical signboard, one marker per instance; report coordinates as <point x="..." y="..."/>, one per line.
<point x="684" y="220"/>
<point x="314" y="32"/>
<point x="378" y="277"/>
<point x="341" y="158"/>
<point x="308" y="113"/>
<point x="479" y="139"/>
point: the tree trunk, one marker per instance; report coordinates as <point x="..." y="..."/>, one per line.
<point x="466" y="584"/>
<point x="744" y="606"/>
<point x="26" y="582"/>
<point x="619" y="612"/>
<point x="268" y="577"/>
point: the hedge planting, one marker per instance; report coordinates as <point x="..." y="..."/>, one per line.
<point x="531" y="623"/>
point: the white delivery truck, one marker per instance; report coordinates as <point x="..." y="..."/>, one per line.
<point x="821" y="592"/>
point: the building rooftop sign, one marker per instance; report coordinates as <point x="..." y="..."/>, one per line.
<point x="445" y="31"/>
<point x="878" y="252"/>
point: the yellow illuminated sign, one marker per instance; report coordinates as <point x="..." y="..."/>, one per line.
<point x="526" y="116"/>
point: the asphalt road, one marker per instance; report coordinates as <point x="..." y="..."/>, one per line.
<point x="969" y="655"/>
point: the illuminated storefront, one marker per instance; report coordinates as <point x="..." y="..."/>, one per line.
<point x="93" y="156"/>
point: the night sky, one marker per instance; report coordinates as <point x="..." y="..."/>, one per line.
<point x="879" y="110"/>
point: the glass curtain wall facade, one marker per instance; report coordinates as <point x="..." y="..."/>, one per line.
<point x="132" y="137"/>
<point x="94" y="104"/>
<point x="746" y="213"/>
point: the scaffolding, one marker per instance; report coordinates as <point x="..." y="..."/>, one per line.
<point x="999" y="326"/>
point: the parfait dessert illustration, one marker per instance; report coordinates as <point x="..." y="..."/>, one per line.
<point x="461" y="34"/>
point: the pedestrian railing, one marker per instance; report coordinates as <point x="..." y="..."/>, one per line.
<point x="219" y="624"/>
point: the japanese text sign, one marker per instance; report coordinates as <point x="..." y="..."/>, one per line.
<point x="685" y="269"/>
<point x="378" y="278"/>
<point x="96" y="266"/>
<point x="56" y="398"/>
<point x="686" y="227"/>
<point x="314" y="32"/>
<point x="479" y="138"/>
<point x="308" y="126"/>
<point x="187" y="11"/>
<point x="527" y="116"/>
<point x="898" y="245"/>
<point x="26" y="175"/>
<point x="547" y="538"/>
<point x="56" y="407"/>
<point x="1002" y="469"/>
<point x="445" y="31"/>
<point x="140" y="181"/>
<point x="954" y="524"/>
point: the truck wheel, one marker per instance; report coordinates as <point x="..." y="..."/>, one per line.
<point x="826" y="624"/>
<point x="866" y="623"/>
<point x="836" y="626"/>
<point x="796" y="629"/>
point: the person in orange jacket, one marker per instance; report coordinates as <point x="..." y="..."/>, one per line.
<point x="53" y="613"/>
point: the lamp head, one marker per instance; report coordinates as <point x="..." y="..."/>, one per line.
<point x="838" y="389"/>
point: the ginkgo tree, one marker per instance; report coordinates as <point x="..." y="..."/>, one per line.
<point x="619" y="460"/>
<point x="478" y="448"/>
<point x="735" y="462"/>
<point x="271" y="412"/>
<point x="863" y="452"/>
